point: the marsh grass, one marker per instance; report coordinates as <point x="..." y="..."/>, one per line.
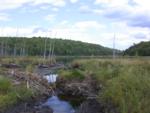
<point x="130" y="90"/>
<point x="11" y="95"/>
<point x="5" y="85"/>
<point x="72" y="74"/>
<point x="24" y="61"/>
<point x="126" y="82"/>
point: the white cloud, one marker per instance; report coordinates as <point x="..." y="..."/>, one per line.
<point x="97" y="11"/>
<point x="86" y="25"/>
<point x="102" y="1"/>
<point x="136" y="6"/>
<point x="44" y="7"/>
<point x="13" y="4"/>
<point x="58" y="3"/>
<point x="55" y="9"/>
<point x="64" y="22"/>
<point x="13" y="31"/>
<point x="143" y="3"/>
<point x="112" y="3"/>
<point x="4" y="17"/>
<point x="50" y="17"/>
<point x="73" y="1"/>
<point x="85" y="9"/>
<point x="133" y="14"/>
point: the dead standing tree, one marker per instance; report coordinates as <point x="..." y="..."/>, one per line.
<point x="45" y="47"/>
<point x="53" y="60"/>
<point x="2" y="43"/>
<point x="15" y="42"/>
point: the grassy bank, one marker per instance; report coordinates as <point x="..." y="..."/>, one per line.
<point x="11" y="94"/>
<point x="125" y="82"/>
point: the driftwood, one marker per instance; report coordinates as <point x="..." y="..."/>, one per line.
<point x="32" y="81"/>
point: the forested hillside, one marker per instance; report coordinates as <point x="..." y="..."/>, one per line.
<point x="140" y="49"/>
<point x="36" y="46"/>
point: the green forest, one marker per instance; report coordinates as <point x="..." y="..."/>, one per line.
<point x="140" y="49"/>
<point x="37" y="46"/>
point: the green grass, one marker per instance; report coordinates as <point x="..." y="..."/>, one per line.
<point x="5" y="85"/>
<point x="126" y="82"/>
<point x="24" y="61"/>
<point x="11" y="95"/>
<point x="129" y="91"/>
<point x="72" y="74"/>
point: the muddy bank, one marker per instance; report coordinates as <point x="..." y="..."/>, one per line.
<point x="32" y="106"/>
<point x="95" y="106"/>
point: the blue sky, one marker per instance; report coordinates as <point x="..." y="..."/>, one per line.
<point x="94" y="21"/>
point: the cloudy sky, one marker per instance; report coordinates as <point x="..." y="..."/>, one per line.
<point x="94" y="21"/>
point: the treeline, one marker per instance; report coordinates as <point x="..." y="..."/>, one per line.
<point x="140" y="49"/>
<point x="39" y="46"/>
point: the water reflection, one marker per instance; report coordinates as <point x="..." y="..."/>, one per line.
<point x="59" y="106"/>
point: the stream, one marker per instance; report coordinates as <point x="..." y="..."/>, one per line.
<point x="57" y="105"/>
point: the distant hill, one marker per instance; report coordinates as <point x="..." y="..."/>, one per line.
<point x="35" y="47"/>
<point x="140" y="49"/>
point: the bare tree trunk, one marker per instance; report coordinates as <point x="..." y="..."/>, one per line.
<point x="50" y="49"/>
<point x="45" y="45"/>
<point x="15" y="50"/>
<point x="2" y="48"/>
<point x="53" y="48"/>
<point x="24" y="45"/>
<point x="5" y="47"/>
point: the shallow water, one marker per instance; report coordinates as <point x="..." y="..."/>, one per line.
<point x="59" y="106"/>
<point x="51" y="78"/>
